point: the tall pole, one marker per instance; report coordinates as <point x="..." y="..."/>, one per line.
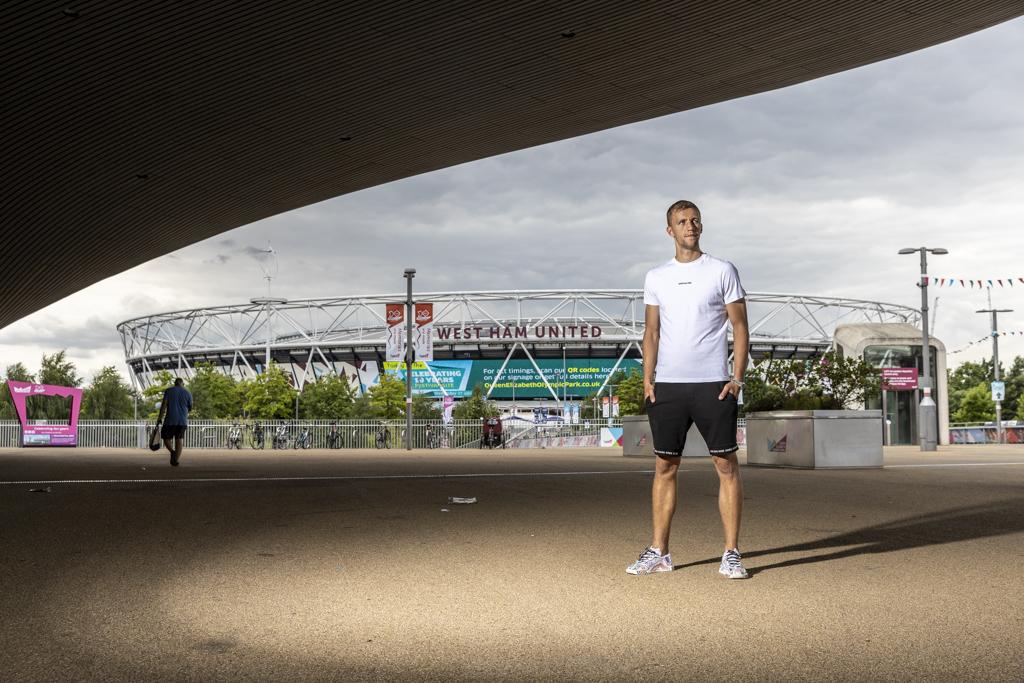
<point x="994" y="312"/>
<point x="927" y="411"/>
<point x="410" y="273"/>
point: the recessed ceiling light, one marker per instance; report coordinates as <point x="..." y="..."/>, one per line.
<point x="70" y="12"/>
<point x="345" y="138"/>
<point x="142" y="176"/>
<point x="568" y="34"/>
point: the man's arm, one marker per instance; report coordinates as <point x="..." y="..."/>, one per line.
<point x="652" y="335"/>
<point x="737" y="312"/>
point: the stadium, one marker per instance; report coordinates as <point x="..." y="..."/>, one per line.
<point x="546" y="346"/>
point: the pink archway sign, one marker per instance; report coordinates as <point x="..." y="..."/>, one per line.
<point x="45" y="435"/>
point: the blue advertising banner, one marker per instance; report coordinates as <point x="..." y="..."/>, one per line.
<point x="577" y="379"/>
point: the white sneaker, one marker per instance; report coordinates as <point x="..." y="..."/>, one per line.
<point x="732" y="566"/>
<point x="650" y="562"/>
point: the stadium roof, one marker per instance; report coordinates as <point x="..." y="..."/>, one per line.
<point x="134" y="129"/>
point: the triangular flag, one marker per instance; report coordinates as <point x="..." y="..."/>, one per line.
<point x="1021" y="279"/>
<point x="972" y="283"/>
<point x="1010" y="280"/>
<point x="990" y="284"/>
<point x="952" y="282"/>
<point x="980" y="284"/>
<point x="1000" y="282"/>
<point x="962" y="284"/>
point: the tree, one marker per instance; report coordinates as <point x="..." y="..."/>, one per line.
<point x="152" y="394"/>
<point x="388" y="397"/>
<point x="19" y="373"/>
<point x="1014" y="387"/>
<point x="329" y="398"/>
<point x="829" y="382"/>
<point x="965" y="377"/>
<point x="977" y="405"/>
<point x="424" y="407"/>
<point x="215" y="396"/>
<point x="364" y="409"/>
<point x="108" y="397"/>
<point x="56" y="370"/>
<point x="475" y="407"/>
<point x="270" y="395"/>
<point x="630" y="390"/>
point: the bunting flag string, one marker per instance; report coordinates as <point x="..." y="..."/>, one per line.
<point x="986" y="283"/>
<point x="988" y="338"/>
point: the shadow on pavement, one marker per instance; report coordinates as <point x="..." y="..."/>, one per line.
<point x="948" y="526"/>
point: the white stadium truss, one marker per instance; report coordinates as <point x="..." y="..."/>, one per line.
<point x="310" y="337"/>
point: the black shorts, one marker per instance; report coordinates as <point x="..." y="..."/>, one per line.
<point x="172" y="431"/>
<point x="677" y="406"/>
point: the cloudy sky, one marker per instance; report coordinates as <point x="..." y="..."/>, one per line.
<point x="810" y="190"/>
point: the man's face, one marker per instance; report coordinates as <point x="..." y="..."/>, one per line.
<point x="685" y="228"/>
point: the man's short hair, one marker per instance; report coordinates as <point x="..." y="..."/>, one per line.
<point x="679" y="206"/>
<point x="178" y="381"/>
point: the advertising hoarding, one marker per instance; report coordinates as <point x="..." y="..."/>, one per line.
<point x="519" y="380"/>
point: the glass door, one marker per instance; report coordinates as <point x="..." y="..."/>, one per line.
<point x="901" y="417"/>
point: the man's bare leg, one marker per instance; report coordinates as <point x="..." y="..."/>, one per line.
<point x="663" y="500"/>
<point x="179" y="445"/>
<point x="730" y="497"/>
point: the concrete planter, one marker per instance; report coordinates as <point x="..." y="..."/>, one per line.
<point x="815" y="439"/>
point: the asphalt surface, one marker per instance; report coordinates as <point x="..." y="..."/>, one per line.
<point x="345" y="566"/>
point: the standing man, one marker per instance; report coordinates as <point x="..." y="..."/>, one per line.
<point x="690" y="302"/>
<point x="174" y="409"/>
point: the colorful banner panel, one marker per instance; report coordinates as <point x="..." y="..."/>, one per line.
<point x="578" y="379"/>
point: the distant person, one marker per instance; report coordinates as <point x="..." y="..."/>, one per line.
<point x="690" y="301"/>
<point x="174" y="409"/>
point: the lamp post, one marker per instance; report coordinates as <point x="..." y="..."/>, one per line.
<point x="927" y="413"/>
<point x="995" y="359"/>
<point x="410" y="273"/>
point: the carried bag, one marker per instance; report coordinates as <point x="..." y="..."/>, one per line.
<point x="154" y="438"/>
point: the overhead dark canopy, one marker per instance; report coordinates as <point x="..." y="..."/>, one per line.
<point x="130" y="129"/>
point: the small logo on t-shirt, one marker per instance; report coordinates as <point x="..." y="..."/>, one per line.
<point x="686" y="283"/>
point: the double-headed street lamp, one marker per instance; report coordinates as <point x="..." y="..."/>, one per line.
<point x="927" y="415"/>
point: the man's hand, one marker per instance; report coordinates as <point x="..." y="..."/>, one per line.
<point x="649" y="390"/>
<point x="730" y="388"/>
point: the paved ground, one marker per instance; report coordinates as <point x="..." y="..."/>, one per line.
<point x="343" y="566"/>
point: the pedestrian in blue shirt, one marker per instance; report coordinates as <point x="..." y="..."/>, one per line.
<point x="174" y="409"/>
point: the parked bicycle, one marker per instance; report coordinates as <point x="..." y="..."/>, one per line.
<point x="256" y="436"/>
<point x="383" y="438"/>
<point x="235" y="437"/>
<point x="280" y="437"/>
<point x="303" y="440"/>
<point x="334" y="437"/>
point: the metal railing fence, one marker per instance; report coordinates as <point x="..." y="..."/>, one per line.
<point x="299" y="434"/>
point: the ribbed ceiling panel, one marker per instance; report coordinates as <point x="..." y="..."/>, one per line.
<point x="131" y="129"/>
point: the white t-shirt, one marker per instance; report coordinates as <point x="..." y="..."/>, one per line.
<point x="691" y="299"/>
